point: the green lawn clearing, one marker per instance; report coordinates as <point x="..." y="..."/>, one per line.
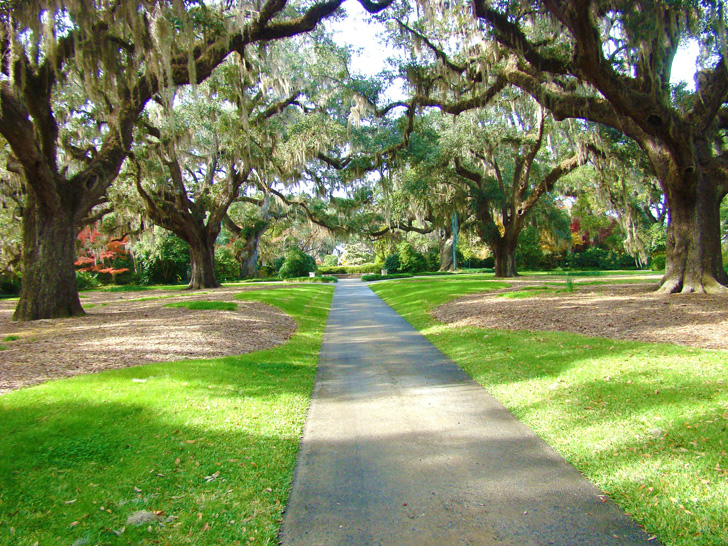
<point x="200" y="452"/>
<point x="646" y="422"/>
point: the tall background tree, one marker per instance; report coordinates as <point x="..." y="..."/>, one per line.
<point x="103" y="62"/>
<point x="610" y="63"/>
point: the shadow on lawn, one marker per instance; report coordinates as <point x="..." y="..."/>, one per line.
<point x="75" y="470"/>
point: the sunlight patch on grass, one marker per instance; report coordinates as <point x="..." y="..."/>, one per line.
<point x="206" y="446"/>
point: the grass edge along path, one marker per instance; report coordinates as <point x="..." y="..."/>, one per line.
<point x="645" y="422"/>
<point x="201" y="450"/>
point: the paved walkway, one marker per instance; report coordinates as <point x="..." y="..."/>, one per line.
<point x="402" y="448"/>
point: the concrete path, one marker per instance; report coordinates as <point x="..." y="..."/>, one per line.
<point x="402" y="448"/>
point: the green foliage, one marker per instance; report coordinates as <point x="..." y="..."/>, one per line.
<point x="166" y="263"/>
<point x="86" y="280"/>
<point x="10" y="286"/>
<point x="528" y="252"/>
<point x="278" y="263"/>
<point x="314" y="280"/>
<point x="432" y="259"/>
<point x="410" y="260"/>
<point x="599" y="258"/>
<point x="392" y="263"/>
<point x="297" y="264"/>
<point x="210" y="443"/>
<point x="377" y="277"/>
<point x="658" y="262"/>
<point x="330" y="260"/>
<point x="227" y="268"/>
<point x="350" y="270"/>
<point x="357" y="254"/>
<point x="205" y="305"/>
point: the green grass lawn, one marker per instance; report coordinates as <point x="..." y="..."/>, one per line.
<point x="646" y="422"/>
<point x="206" y="447"/>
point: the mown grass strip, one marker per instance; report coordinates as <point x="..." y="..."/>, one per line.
<point x="646" y="422"/>
<point x="205" y="447"/>
<point x="206" y="305"/>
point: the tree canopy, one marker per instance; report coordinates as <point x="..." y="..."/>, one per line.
<point x="190" y="107"/>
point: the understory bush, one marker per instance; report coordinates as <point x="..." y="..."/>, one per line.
<point x="600" y="258"/>
<point x="658" y="262"/>
<point x="167" y="263"/>
<point x="227" y="268"/>
<point x="350" y="269"/>
<point x="376" y="277"/>
<point x="296" y="264"/>
<point x="391" y="263"/>
<point x="410" y="260"/>
<point x="330" y="260"/>
<point x="9" y="286"/>
<point x="86" y="280"/>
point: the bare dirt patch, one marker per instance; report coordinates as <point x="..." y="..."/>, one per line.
<point x="620" y="311"/>
<point x="118" y="332"/>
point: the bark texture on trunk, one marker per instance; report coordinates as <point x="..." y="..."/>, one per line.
<point x="504" y="252"/>
<point x="202" y="255"/>
<point x="694" y="254"/>
<point x="249" y="257"/>
<point x="446" y="241"/>
<point x="49" y="288"/>
<point x="446" y="263"/>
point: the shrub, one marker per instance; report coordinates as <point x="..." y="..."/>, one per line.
<point x="410" y="261"/>
<point x="376" y="277"/>
<point x="658" y="262"/>
<point x="278" y="263"/>
<point x="312" y="279"/>
<point x="600" y="258"/>
<point x="10" y="286"/>
<point x="330" y="260"/>
<point x="296" y="264"/>
<point x="267" y="271"/>
<point x="227" y="267"/>
<point x="333" y="270"/>
<point x="391" y="264"/>
<point x="350" y="269"/>
<point x="167" y="263"/>
<point x="86" y="280"/>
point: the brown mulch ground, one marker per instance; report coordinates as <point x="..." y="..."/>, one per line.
<point x="621" y="311"/>
<point x="119" y="333"/>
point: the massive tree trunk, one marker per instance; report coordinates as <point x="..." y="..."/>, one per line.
<point x="202" y="255"/>
<point x="504" y="251"/>
<point x="49" y="288"/>
<point x="694" y="254"/>
<point x="693" y="194"/>
<point x="249" y="256"/>
<point x="504" y="248"/>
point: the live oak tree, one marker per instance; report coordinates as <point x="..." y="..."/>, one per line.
<point x="610" y="63"/>
<point x="506" y="165"/>
<point x="121" y="55"/>
<point x="252" y="121"/>
<point x="248" y="219"/>
<point x="496" y="141"/>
